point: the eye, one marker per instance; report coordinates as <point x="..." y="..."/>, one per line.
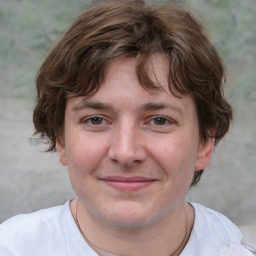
<point x="161" y="124"/>
<point x="160" y="121"/>
<point x="93" y="121"/>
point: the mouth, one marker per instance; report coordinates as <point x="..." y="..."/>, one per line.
<point x="128" y="183"/>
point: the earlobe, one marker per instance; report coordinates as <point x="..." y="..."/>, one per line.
<point x="61" y="150"/>
<point x="204" y="154"/>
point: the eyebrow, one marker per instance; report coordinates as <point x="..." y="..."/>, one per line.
<point x="159" y="106"/>
<point x="94" y="105"/>
<point x="147" y="107"/>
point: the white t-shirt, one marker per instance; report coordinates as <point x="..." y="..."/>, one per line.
<point x="53" y="232"/>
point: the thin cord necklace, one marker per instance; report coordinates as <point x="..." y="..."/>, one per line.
<point x="175" y="253"/>
<point x="102" y="252"/>
<point x="183" y="242"/>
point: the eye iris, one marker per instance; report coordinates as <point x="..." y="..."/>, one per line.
<point x="159" y="121"/>
<point x="96" y="120"/>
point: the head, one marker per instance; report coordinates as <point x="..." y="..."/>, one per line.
<point x="113" y="29"/>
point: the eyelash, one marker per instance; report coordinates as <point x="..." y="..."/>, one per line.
<point x="161" y="118"/>
<point x="89" y="121"/>
<point x="102" y="119"/>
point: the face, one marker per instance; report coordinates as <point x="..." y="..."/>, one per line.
<point x="131" y="153"/>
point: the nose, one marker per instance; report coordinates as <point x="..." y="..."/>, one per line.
<point x="127" y="147"/>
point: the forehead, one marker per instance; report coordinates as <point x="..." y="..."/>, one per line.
<point x="156" y="68"/>
<point x="121" y="90"/>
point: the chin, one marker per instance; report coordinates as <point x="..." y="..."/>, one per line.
<point x="130" y="223"/>
<point x="130" y="218"/>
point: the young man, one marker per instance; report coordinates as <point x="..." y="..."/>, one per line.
<point x="132" y="99"/>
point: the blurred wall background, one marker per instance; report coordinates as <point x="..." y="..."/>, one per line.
<point x="31" y="180"/>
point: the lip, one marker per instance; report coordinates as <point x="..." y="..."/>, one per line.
<point x="128" y="183"/>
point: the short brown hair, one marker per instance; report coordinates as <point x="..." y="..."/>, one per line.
<point x="108" y="30"/>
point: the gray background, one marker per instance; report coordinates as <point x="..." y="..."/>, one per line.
<point x="31" y="180"/>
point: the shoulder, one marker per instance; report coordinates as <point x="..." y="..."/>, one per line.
<point x="213" y="234"/>
<point x="219" y="225"/>
<point x="30" y="223"/>
<point x="238" y="249"/>
<point x="32" y="230"/>
<point x="4" y="251"/>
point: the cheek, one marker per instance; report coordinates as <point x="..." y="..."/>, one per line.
<point x="84" y="154"/>
<point x="176" y="154"/>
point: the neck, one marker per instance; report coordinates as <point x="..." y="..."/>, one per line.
<point x="166" y="237"/>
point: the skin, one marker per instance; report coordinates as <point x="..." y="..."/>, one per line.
<point x="131" y="155"/>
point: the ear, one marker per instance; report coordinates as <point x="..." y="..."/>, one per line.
<point x="61" y="150"/>
<point x="204" y="154"/>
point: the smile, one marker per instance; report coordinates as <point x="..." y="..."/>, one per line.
<point x="127" y="183"/>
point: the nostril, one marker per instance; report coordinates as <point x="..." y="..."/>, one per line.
<point x="126" y="147"/>
<point x="125" y="156"/>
